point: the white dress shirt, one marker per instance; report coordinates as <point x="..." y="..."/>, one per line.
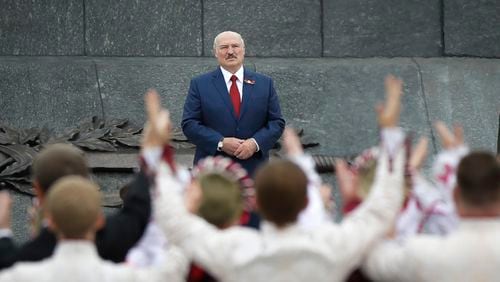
<point x="471" y="253"/>
<point x="239" y="82"/>
<point x="326" y="253"/>
<point x="78" y="261"/>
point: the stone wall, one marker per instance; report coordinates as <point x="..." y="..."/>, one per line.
<point x="64" y="61"/>
<point x="280" y="28"/>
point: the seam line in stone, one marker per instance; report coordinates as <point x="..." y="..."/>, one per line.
<point x="321" y="27"/>
<point x="424" y="98"/>
<point x="202" y="28"/>
<point x="443" y="43"/>
<point x="84" y="29"/>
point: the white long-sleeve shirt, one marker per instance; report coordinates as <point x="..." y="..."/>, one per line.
<point x="78" y="261"/>
<point x="325" y="253"/>
<point x="315" y="213"/>
<point x="149" y="251"/>
<point x="430" y="208"/>
<point x="471" y="253"/>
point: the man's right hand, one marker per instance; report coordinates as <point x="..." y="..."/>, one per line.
<point x="449" y="140"/>
<point x="388" y="113"/>
<point x="230" y="145"/>
<point x="291" y="142"/>
<point x="348" y="182"/>
<point x="5" y="204"/>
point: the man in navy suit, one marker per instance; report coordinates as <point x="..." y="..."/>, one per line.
<point x="232" y="111"/>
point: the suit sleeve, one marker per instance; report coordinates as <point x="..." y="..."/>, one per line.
<point x="123" y="229"/>
<point x="39" y="248"/>
<point x="202" y="136"/>
<point x="267" y="136"/>
<point x="7" y="249"/>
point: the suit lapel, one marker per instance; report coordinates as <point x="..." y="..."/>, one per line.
<point x="220" y="85"/>
<point x="247" y="91"/>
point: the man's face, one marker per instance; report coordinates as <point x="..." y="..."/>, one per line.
<point x="230" y="52"/>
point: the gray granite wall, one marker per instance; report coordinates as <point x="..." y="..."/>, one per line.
<point x="280" y="28"/>
<point x="331" y="98"/>
<point x="63" y="61"/>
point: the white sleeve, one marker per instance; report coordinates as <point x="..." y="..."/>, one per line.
<point x="150" y="250"/>
<point x="175" y="269"/>
<point x="7" y="275"/>
<point x="389" y="261"/>
<point x="5" y="233"/>
<point x="152" y="157"/>
<point x="177" y="264"/>
<point x="315" y="213"/>
<point x="392" y="139"/>
<point x="198" y="239"/>
<point x="444" y="168"/>
<point x="439" y="214"/>
<point x="374" y="217"/>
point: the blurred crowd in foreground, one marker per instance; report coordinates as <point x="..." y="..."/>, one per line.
<point x="216" y="223"/>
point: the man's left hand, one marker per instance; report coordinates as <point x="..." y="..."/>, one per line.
<point x="246" y="149"/>
<point x="157" y="128"/>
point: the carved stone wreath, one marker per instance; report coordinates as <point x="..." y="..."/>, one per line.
<point x="18" y="147"/>
<point x="110" y="145"/>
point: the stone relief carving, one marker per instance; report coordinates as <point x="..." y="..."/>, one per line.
<point x="110" y="145"/>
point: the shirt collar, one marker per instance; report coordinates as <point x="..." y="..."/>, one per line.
<point x="480" y="223"/>
<point x="74" y="248"/>
<point x="227" y="75"/>
<point x="270" y="228"/>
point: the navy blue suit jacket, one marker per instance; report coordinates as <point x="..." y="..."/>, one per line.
<point x="209" y="115"/>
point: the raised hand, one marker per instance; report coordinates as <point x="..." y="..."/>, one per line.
<point x="291" y="142"/>
<point x="347" y="180"/>
<point x="193" y="197"/>
<point x="388" y="113"/>
<point x="325" y="192"/>
<point x="419" y="154"/>
<point x="5" y="212"/>
<point x="157" y="128"/>
<point x="448" y="139"/>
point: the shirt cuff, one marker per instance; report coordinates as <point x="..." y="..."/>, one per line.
<point x="444" y="168"/>
<point x="5" y="233"/>
<point x="256" y="144"/>
<point x="306" y="163"/>
<point x="392" y="139"/>
<point x="452" y="156"/>
<point x="152" y="157"/>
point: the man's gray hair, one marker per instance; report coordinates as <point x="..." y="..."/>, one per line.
<point x="216" y="39"/>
